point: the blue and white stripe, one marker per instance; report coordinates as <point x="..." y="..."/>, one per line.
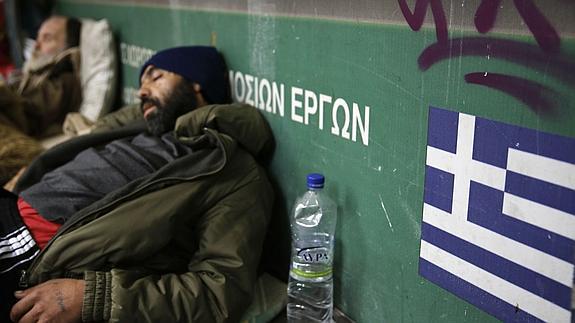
<point x="499" y="216"/>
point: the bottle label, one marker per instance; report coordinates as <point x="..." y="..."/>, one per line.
<point x="312" y="263"/>
<point x="312" y="274"/>
<point x="313" y="255"/>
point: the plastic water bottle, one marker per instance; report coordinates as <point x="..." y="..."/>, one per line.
<point x="310" y="285"/>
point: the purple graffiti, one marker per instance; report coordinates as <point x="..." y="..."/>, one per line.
<point x="558" y="65"/>
<point x="544" y="33"/>
<point x="545" y="56"/>
<point x="415" y="19"/>
<point x="539" y="98"/>
<point x="486" y="15"/>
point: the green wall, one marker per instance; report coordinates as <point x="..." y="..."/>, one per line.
<point x="378" y="183"/>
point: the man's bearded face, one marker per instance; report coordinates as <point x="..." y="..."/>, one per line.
<point x="178" y="102"/>
<point x="51" y="39"/>
<point x="50" y="42"/>
<point x="38" y="61"/>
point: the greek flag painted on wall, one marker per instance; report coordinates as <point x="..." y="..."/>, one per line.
<point x="498" y="225"/>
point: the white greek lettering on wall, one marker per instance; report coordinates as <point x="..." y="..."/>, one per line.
<point x="259" y="92"/>
<point x="250" y="97"/>
<point x="135" y="56"/>
<point x="347" y="119"/>
<point x="359" y="124"/>
<point x="340" y="105"/>
<point x="323" y="99"/>
<point x="296" y="104"/>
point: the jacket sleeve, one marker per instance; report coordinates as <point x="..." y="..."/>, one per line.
<point x="218" y="284"/>
<point x="127" y="115"/>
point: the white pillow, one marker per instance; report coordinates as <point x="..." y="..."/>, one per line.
<point x="98" y="69"/>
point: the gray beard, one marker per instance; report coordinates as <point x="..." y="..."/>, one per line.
<point x="39" y="61"/>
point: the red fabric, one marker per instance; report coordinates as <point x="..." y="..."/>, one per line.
<point x="41" y="229"/>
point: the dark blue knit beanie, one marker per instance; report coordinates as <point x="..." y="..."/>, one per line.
<point x="198" y="64"/>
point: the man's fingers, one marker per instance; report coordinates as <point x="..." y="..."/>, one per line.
<point x="23" y="306"/>
<point x="31" y="316"/>
<point x="19" y="294"/>
<point x="58" y="300"/>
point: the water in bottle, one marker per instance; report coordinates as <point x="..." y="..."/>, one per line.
<point x="310" y="285"/>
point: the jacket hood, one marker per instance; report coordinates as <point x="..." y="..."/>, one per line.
<point x="242" y="122"/>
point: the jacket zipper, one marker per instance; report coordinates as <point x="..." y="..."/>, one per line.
<point x="23" y="282"/>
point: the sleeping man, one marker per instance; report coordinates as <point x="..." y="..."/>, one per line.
<point x="160" y="223"/>
<point x="49" y="88"/>
<point x="50" y="85"/>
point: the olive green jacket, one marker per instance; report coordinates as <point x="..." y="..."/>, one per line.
<point x="180" y="245"/>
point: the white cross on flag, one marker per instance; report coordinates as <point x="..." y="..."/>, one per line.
<point x="498" y="225"/>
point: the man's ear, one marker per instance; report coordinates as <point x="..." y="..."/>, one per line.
<point x="197" y="89"/>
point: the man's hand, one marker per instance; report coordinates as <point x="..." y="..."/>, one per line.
<point x="58" y="300"/>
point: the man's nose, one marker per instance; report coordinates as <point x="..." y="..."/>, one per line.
<point x="143" y="92"/>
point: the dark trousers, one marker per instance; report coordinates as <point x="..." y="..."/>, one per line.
<point x="17" y="250"/>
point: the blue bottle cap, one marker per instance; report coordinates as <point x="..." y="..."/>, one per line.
<point x="315" y="180"/>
